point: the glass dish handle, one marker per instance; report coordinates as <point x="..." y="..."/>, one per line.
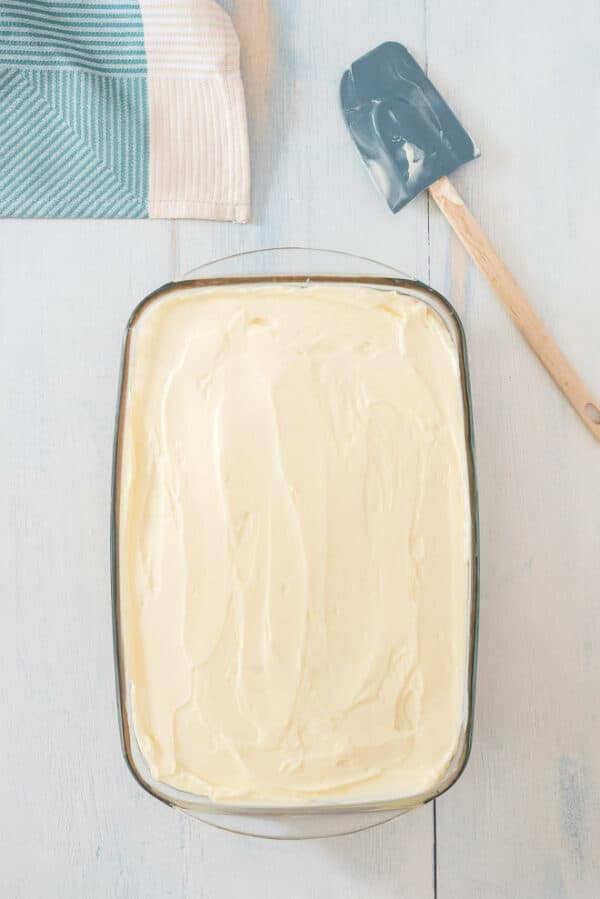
<point x="292" y="261"/>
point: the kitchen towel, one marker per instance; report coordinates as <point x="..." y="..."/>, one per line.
<point x="123" y="109"/>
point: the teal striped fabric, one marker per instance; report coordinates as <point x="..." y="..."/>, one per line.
<point x="73" y="110"/>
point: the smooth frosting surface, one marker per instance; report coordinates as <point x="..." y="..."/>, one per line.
<point x="293" y="543"/>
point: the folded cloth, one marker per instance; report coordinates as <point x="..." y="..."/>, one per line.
<point x="121" y="109"/>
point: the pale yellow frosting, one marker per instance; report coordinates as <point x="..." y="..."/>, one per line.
<point x="294" y="543"/>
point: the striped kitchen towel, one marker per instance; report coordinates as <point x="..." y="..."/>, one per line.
<point x="123" y="109"/>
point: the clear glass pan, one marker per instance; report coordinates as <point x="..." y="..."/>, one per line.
<point x="294" y="265"/>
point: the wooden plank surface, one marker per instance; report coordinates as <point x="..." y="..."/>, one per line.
<point x="525" y="819"/>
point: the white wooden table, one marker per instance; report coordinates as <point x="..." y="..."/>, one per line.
<point x="524" y="822"/>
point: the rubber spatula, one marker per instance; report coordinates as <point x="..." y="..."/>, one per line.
<point x="411" y="141"/>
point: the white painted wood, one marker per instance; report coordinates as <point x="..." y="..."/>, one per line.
<point x="525" y="820"/>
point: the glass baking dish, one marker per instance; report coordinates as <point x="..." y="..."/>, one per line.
<point x="295" y="265"/>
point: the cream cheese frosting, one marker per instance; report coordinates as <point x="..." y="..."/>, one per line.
<point x="294" y="543"/>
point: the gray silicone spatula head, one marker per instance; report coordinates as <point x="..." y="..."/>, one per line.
<point x="405" y="132"/>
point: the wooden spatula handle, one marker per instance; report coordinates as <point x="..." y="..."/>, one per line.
<point x="522" y="313"/>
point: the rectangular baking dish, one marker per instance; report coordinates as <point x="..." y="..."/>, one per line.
<point x="238" y="817"/>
